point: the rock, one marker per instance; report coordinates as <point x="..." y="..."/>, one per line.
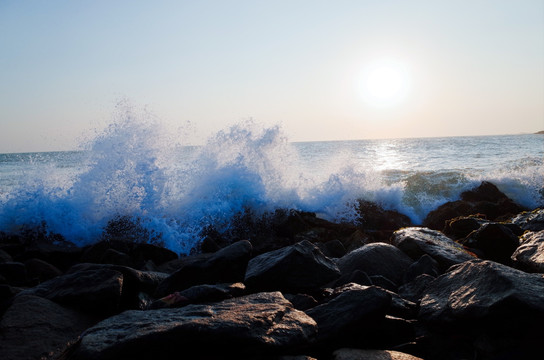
<point x="263" y="323"/>
<point x="350" y="315"/>
<point x="5" y="257"/>
<point x="417" y="241"/>
<point x="298" y="267"/>
<point x="14" y="273"/>
<point x="383" y="282"/>
<point x="415" y="289"/>
<point x="356" y="240"/>
<point x="95" y="291"/>
<point x="36" y="328"/>
<point x="114" y="257"/>
<point x="332" y="248"/>
<point x="532" y="221"/>
<point x="478" y="290"/>
<point x="376" y="259"/>
<point x="485" y="199"/>
<point x="357" y="276"/>
<point x="200" y="294"/>
<point x="529" y="256"/>
<point x="39" y="271"/>
<point x="301" y="301"/>
<point x="374" y="217"/>
<point x="226" y="265"/>
<point x="460" y="227"/>
<point x="424" y="265"/>
<point x="359" y="354"/>
<point x="135" y="282"/>
<point x="496" y="241"/>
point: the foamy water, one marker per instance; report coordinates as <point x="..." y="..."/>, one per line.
<point x="135" y="169"/>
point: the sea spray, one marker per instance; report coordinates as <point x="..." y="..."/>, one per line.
<point x="136" y="177"/>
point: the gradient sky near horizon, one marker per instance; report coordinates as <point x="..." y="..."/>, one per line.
<point x="322" y="70"/>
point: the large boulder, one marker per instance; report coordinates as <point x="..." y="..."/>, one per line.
<point x="262" y="323"/>
<point x="529" y="256"/>
<point x="376" y="259"/>
<point x="298" y="267"/>
<point x="484" y="290"/>
<point x="37" y="328"/>
<point x="460" y="227"/>
<point x="226" y="265"/>
<point x="350" y="315"/>
<point x="418" y="241"/>
<point x="530" y="220"/>
<point x="95" y="291"/>
<point x="485" y="199"/>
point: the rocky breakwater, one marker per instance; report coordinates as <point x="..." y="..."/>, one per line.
<point x="303" y="288"/>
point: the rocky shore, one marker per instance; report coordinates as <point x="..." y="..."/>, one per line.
<point x="467" y="283"/>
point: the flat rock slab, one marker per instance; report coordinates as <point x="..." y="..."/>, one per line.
<point x="481" y="291"/>
<point x="529" y="255"/>
<point x="418" y="241"/>
<point x="254" y="324"/>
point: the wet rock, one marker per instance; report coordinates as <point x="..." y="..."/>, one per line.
<point x="377" y="259"/>
<point x="332" y="249"/>
<point x="200" y="294"/>
<point x="297" y="267"/>
<point x="95" y="291"/>
<point x="374" y="217"/>
<point x="39" y="271"/>
<point x="383" y="282"/>
<point x="5" y="257"/>
<point x="460" y="227"/>
<point x="350" y="315"/>
<point x="532" y="221"/>
<point x="301" y="301"/>
<point x="356" y="240"/>
<point x="496" y="241"/>
<point x="360" y="354"/>
<point x="424" y="265"/>
<point x="418" y="241"/>
<point x="226" y="265"/>
<point x="477" y="290"/>
<point x="357" y="276"/>
<point x="262" y="323"/>
<point x="485" y="199"/>
<point x="37" y="328"/>
<point x="529" y="256"/>
<point x="415" y="289"/>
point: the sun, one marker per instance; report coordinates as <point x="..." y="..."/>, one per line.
<point x="384" y="83"/>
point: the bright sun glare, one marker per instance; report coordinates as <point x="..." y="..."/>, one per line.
<point x="384" y="83"/>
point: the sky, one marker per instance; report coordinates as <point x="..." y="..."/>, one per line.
<point x="322" y="70"/>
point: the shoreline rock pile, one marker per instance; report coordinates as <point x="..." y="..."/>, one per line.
<point x="466" y="284"/>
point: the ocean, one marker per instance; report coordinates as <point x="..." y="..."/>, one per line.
<point x="174" y="192"/>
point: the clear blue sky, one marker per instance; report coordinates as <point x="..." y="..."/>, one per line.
<point x="469" y="67"/>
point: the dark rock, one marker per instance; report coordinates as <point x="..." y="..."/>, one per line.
<point x="392" y="332"/>
<point x="298" y="267"/>
<point x="208" y="245"/>
<point x="5" y="257"/>
<point x="37" y="328"/>
<point x="360" y="354"/>
<point x="263" y="323"/>
<point x="529" y="256"/>
<point x="94" y="291"/>
<point x="200" y="294"/>
<point x="383" y="282"/>
<point x="301" y="301"/>
<point x="53" y="249"/>
<point x="135" y="282"/>
<point x="226" y="265"/>
<point x="374" y="217"/>
<point x="356" y="240"/>
<point x="39" y="271"/>
<point x="350" y="315"/>
<point x="477" y="290"/>
<point x="357" y="277"/>
<point x="532" y="221"/>
<point x="14" y="273"/>
<point x="332" y="249"/>
<point x="460" y="227"/>
<point x="417" y="241"/>
<point x="485" y="199"/>
<point x="376" y="259"/>
<point x="114" y="257"/>
<point x="496" y="241"/>
<point x="415" y="289"/>
<point x="424" y="265"/>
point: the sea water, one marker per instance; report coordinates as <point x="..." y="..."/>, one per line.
<point x="134" y="170"/>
